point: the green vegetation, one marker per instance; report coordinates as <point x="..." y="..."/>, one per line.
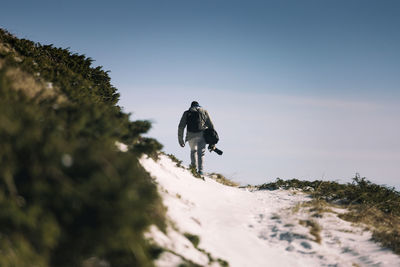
<point x="176" y="160"/>
<point x="376" y="206"/>
<point x="195" y="240"/>
<point x="194" y="172"/>
<point x="67" y="195"/>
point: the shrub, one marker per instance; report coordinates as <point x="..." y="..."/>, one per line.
<point x="66" y="193"/>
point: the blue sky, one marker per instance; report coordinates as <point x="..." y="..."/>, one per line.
<point x="296" y="89"/>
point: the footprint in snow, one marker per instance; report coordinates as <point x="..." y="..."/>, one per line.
<point x="306" y="245"/>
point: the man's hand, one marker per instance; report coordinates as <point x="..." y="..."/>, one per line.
<point x="211" y="147"/>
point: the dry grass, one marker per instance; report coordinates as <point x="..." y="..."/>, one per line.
<point x="223" y="180"/>
<point x="385" y="227"/>
<point x="22" y="81"/>
<point x="315" y="229"/>
<point x="314" y="209"/>
<point x="27" y="83"/>
<point x="32" y="87"/>
<point x="318" y="207"/>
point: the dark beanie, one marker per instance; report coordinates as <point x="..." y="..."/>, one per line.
<point x="194" y="104"/>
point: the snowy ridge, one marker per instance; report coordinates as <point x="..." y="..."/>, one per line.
<point x="259" y="228"/>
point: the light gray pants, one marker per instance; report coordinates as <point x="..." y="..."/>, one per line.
<point x="197" y="150"/>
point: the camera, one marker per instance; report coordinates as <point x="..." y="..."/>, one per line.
<point x="215" y="149"/>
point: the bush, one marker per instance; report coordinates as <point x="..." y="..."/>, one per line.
<point x="66" y="193"/>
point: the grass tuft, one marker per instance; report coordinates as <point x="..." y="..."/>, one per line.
<point x="223" y="180"/>
<point x="194" y="172"/>
<point x="315" y="229"/>
<point x="176" y="160"/>
<point x="194" y="239"/>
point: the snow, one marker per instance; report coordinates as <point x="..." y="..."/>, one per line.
<point x="252" y="228"/>
<point x="121" y="146"/>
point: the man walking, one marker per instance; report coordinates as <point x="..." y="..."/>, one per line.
<point x="196" y="119"/>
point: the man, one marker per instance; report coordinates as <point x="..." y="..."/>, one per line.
<point x="196" y="119"/>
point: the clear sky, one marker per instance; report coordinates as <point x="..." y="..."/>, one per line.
<point x="296" y="89"/>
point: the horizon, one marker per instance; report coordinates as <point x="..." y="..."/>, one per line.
<point x="295" y="90"/>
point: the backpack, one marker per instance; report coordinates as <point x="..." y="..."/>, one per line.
<point x="193" y="121"/>
<point x="211" y="136"/>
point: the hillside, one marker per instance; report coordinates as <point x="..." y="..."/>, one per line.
<point x="81" y="186"/>
<point x="211" y="224"/>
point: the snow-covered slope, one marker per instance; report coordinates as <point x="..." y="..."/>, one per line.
<point x="259" y="228"/>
